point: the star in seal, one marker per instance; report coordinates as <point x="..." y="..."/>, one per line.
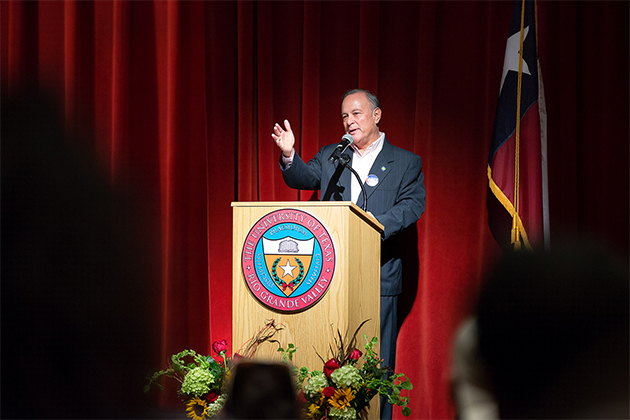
<point x="288" y="269"/>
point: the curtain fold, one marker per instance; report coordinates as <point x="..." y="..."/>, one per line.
<point x="176" y="100"/>
<point x="222" y="162"/>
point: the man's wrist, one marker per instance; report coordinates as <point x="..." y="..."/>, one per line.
<point x="290" y="154"/>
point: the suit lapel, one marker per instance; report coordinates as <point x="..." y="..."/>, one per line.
<point x="381" y="167"/>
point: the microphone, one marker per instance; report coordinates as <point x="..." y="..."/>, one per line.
<point x="346" y="141"/>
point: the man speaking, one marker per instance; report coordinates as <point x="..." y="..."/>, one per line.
<point x="394" y="186"/>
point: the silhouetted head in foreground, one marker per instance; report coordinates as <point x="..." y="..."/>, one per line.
<point x="78" y="323"/>
<point x="553" y="330"/>
<point x="261" y="391"/>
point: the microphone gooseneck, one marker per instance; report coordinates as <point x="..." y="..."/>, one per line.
<point x="344" y="160"/>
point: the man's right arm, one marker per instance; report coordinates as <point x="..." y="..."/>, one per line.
<point x="286" y="162"/>
<point x="300" y="175"/>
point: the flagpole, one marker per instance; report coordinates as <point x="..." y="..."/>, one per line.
<point x="516" y="237"/>
<point x="542" y="107"/>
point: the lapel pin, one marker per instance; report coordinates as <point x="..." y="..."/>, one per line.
<point x="383" y="168"/>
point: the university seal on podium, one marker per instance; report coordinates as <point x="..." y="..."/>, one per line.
<point x="288" y="260"/>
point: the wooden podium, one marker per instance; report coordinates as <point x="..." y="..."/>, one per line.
<point x="344" y="273"/>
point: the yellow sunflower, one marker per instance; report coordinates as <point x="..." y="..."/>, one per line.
<point x="197" y="408"/>
<point x="321" y="399"/>
<point x="313" y="411"/>
<point x="342" y="398"/>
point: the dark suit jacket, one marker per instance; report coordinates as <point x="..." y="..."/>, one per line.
<point x="397" y="200"/>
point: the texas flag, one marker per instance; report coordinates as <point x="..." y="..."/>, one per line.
<point x="517" y="167"/>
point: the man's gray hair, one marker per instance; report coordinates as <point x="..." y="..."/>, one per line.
<point x="372" y="99"/>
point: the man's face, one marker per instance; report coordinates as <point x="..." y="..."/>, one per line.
<point x="359" y="121"/>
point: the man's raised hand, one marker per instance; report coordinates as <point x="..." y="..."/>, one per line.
<point x="284" y="138"/>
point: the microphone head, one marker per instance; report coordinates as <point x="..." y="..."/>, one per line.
<point x="348" y="138"/>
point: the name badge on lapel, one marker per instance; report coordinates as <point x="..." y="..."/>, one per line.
<point x="372" y="180"/>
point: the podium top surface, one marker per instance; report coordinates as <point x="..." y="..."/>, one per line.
<point x="293" y="204"/>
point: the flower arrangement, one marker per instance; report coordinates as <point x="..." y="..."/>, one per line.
<point x="350" y="379"/>
<point x="343" y="390"/>
<point x="204" y="379"/>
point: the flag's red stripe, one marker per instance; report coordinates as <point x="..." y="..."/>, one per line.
<point x="530" y="173"/>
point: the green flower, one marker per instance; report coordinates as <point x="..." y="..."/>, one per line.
<point x="347" y="413"/>
<point x="315" y="383"/>
<point x="216" y="406"/>
<point x="346" y="376"/>
<point x="197" y="382"/>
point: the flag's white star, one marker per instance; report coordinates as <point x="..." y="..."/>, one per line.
<point x="511" y="55"/>
<point x="288" y="269"/>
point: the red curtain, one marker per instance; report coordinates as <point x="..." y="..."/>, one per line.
<point x="181" y="97"/>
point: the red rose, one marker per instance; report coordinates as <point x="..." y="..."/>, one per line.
<point x="219" y="346"/>
<point x="330" y="367"/>
<point x="212" y="396"/>
<point x="355" y="355"/>
<point x="301" y="398"/>
<point x="329" y="391"/>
